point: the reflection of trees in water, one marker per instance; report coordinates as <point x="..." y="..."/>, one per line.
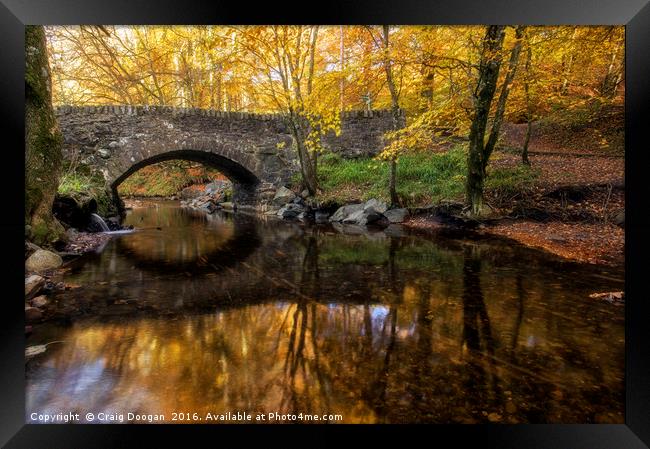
<point x="424" y="346"/>
<point x="481" y="377"/>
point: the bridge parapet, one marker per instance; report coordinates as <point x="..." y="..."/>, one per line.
<point x="175" y="111"/>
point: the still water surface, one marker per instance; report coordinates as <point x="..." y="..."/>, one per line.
<point x="223" y="313"/>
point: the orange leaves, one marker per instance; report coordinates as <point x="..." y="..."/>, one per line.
<point x="595" y="243"/>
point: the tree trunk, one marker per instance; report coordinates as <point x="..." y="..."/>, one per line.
<point x="483" y="95"/>
<point x="342" y="62"/>
<point x="529" y="108"/>
<point x="524" y="150"/>
<point x="392" y="182"/>
<point x="312" y="53"/>
<point x="307" y="166"/>
<point x="611" y="79"/>
<point x="394" y="200"/>
<point x="569" y="66"/>
<point x="43" y="142"/>
<point x="503" y="98"/>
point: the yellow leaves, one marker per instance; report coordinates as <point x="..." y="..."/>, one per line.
<point x="269" y="69"/>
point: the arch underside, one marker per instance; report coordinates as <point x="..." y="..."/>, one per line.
<point x="244" y="181"/>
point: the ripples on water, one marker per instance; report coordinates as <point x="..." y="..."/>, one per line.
<point x="220" y="313"/>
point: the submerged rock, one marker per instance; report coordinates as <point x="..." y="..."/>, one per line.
<point x="43" y="260"/>
<point x="396" y="215"/>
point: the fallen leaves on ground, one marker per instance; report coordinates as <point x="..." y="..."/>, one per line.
<point x="595" y="243"/>
<point x="83" y="242"/>
<point x="559" y="170"/>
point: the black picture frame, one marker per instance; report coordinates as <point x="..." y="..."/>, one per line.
<point x="634" y="14"/>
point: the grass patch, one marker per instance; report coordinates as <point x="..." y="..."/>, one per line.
<point x="511" y="179"/>
<point x="75" y="182"/>
<point x="422" y="178"/>
<point x="78" y="183"/>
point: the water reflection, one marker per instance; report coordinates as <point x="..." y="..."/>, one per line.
<point x="182" y="239"/>
<point x="376" y="328"/>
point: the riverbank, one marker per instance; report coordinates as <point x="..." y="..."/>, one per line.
<point x="590" y="243"/>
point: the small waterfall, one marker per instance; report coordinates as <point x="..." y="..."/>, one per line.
<point x="100" y="221"/>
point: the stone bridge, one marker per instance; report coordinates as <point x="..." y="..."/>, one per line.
<point x="253" y="150"/>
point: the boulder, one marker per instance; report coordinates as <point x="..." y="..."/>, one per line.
<point x="32" y="314"/>
<point x="362" y="217"/>
<point x="40" y="301"/>
<point x="33" y="285"/>
<point x="283" y="196"/>
<point x="30" y="248"/>
<point x="43" y="260"/>
<point x="73" y="212"/>
<point x="343" y="212"/>
<point x="113" y="223"/>
<point x="396" y="215"/>
<point x="290" y="211"/>
<point x="378" y="206"/>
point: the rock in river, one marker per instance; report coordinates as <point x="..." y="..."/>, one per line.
<point x="291" y="210"/>
<point x="362" y="217"/>
<point x="40" y="301"/>
<point x="343" y="212"/>
<point x="33" y="285"/>
<point x="43" y="260"/>
<point x="283" y="196"/>
<point x="379" y="206"/>
<point x="396" y="215"/>
<point x="367" y="212"/>
<point x="32" y="314"/>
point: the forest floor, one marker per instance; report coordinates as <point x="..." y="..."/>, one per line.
<point x="575" y="207"/>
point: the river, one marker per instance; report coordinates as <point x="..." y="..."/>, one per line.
<point x="194" y="314"/>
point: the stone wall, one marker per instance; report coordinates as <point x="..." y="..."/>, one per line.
<point x="253" y="150"/>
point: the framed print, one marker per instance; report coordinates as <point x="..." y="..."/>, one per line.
<point x="377" y="219"/>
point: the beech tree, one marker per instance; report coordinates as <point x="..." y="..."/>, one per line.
<point x="43" y="142"/>
<point x="480" y="150"/>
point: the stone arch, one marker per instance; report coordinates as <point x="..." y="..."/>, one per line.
<point x="245" y="182"/>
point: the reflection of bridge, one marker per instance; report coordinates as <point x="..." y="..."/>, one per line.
<point x="253" y="150"/>
<point x="238" y="247"/>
